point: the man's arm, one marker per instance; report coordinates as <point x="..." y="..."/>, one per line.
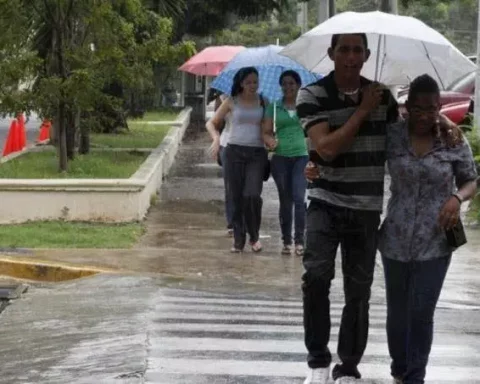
<point x="315" y="122"/>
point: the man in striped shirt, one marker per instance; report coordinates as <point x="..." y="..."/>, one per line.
<point x="345" y="117"/>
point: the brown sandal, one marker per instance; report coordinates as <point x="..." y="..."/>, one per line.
<point x="256" y="247"/>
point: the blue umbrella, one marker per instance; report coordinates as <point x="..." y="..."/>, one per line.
<point x="270" y="66"/>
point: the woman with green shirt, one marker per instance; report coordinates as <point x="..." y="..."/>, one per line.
<point x="283" y="134"/>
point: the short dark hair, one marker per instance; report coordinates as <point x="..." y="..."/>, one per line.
<point x="290" y="73"/>
<point x="423" y="84"/>
<point x="337" y="36"/>
<point x="238" y="79"/>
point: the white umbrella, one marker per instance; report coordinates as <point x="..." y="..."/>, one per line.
<point x="402" y="48"/>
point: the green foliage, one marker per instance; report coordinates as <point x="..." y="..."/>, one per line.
<point x="205" y="17"/>
<point x="88" y="55"/>
<point x="473" y="138"/>
<point x="256" y="34"/>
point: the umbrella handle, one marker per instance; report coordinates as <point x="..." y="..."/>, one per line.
<point x="274" y="117"/>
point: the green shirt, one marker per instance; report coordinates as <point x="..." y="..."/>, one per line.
<point x="289" y="132"/>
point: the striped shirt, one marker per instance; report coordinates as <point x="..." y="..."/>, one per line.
<point x="354" y="179"/>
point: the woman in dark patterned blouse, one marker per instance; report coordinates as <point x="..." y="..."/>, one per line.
<point x="432" y="172"/>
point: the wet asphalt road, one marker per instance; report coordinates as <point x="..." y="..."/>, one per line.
<point x="219" y="318"/>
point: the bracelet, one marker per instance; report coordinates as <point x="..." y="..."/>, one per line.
<point x="458" y="197"/>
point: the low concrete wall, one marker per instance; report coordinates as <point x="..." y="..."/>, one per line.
<point x="106" y="200"/>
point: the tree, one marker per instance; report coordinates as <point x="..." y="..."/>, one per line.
<point x="203" y="17"/>
<point x="77" y="52"/>
<point x="257" y="34"/>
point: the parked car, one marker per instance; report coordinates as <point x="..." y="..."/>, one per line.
<point x="456" y="111"/>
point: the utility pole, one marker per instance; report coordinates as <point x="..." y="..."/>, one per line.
<point x="389" y="6"/>
<point x="331" y="8"/>
<point x="476" y="110"/>
<point x="302" y="16"/>
<point x="323" y="11"/>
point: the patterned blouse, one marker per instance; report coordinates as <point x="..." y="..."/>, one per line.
<point x="420" y="187"/>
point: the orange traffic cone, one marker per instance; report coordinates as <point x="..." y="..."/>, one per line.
<point x="12" y="143"/>
<point x="44" y="131"/>
<point x="22" y="135"/>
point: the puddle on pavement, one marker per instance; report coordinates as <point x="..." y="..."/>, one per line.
<point x="211" y="207"/>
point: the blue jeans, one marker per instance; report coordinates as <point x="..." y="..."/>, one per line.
<point x="291" y="184"/>
<point x="412" y="290"/>
<point x="228" y="197"/>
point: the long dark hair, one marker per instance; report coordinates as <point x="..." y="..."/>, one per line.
<point x="238" y="79"/>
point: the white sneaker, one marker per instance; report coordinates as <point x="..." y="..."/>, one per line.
<point x="346" y="380"/>
<point x="318" y="376"/>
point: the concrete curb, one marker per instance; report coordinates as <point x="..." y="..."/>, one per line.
<point x="36" y="270"/>
<point x="105" y="200"/>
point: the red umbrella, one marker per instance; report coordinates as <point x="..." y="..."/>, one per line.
<point x="211" y="60"/>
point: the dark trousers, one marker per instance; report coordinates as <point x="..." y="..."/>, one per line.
<point x="245" y="167"/>
<point x="413" y="290"/>
<point x="228" y="197"/>
<point x="357" y="233"/>
<point x="288" y="173"/>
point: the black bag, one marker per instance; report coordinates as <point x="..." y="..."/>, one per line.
<point x="456" y="236"/>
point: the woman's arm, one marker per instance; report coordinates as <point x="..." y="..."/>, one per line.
<point x="450" y="212"/>
<point x="268" y="135"/>
<point x="465" y="173"/>
<point x="215" y="122"/>
<point x="217" y="118"/>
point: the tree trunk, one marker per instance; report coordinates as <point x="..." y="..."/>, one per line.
<point x="70" y="134"/>
<point x="62" y="135"/>
<point x="54" y="136"/>
<point x="84" y="144"/>
<point x="62" y="112"/>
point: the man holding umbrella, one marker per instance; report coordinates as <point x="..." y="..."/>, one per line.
<point x="345" y="116"/>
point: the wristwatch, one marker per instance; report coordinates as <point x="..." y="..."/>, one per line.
<point x="459" y="197"/>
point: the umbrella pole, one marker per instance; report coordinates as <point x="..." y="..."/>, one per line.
<point x="377" y="64"/>
<point x="274" y="117"/>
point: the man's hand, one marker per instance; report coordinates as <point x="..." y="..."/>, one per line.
<point x="371" y="97"/>
<point x="449" y="213"/>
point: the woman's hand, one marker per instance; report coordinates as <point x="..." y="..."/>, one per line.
<point x="449" y="213"/>
<point x="271" y="142"/>
<point x="214" y="149"/>
<point x="312" y="172"/>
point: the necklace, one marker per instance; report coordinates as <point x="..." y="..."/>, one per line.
<point x="351" y="93"/>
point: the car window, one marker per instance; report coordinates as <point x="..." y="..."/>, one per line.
<point x="464" y="84"/>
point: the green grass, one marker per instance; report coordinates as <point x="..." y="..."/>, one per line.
<point x="59" y="234"/>
<point x="139" y="135"/>
<point x="102" y="165"/>
<point x="157" y="116"/>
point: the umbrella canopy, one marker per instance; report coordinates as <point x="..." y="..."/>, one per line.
<point x="210" y="61"/>
<point x="402" y="48"/>
<point x="270" y="66"/>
